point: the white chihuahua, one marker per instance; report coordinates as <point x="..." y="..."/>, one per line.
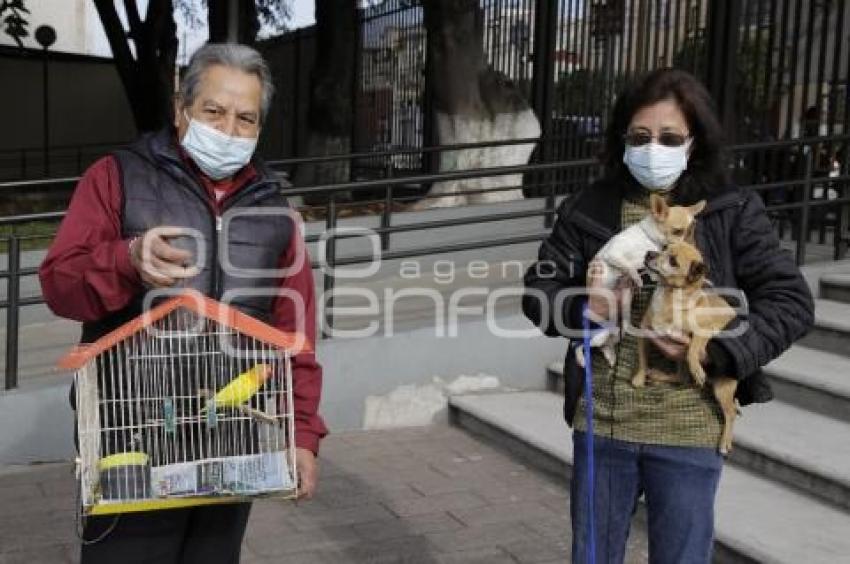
<point x="624" y="254"/>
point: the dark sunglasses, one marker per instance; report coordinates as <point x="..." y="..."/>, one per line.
<point x="667" y="138"/>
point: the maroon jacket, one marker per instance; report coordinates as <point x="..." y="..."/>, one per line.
<point x="87" y="275"/>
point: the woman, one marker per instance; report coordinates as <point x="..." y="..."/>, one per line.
<point x="661" y="440"/>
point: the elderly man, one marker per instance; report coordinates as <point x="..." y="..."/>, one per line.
<point x="123" y="236"/>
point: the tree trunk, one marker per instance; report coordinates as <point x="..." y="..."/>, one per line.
<point x="148" y="78"/>
<point x="472" y="104"/>
<point x="218" y="18"/>
<point x="331" y="93"/>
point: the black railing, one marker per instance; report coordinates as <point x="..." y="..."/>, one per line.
<point x="798" y="205"/>
<point x="34" y="162"/>
<point x="12" y="275"/>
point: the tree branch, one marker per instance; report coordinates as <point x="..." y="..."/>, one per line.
<point x="117" y="38"/>
<point x="147" y="76"/>
<point x="157" y="9"/>
<point x="133" y="19"/>
<point x="217" y="20"/>
<point x="166" y="45"/>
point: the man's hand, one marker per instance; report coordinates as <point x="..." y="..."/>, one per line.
<point x="599" y="300"/>
<point x="159" y="264"/>
<point x="307" y="468"/>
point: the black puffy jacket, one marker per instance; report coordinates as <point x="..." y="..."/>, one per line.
<point x="741" y="251"/>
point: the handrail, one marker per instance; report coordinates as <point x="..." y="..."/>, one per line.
<point x="38" y="182"/>
<point x="14" y="271"/>
<point x="26" y="218"/>
<point x="404" y="151"/>
<point x="40" y="148"/>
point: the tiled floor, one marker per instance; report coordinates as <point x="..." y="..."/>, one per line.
<point x="419" y="495"/>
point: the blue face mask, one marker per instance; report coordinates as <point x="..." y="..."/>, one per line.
<point x="217" y="154"/>
<point x="657" y="167"/>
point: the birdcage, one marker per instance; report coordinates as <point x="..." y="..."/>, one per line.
<point x="188" y="404"/>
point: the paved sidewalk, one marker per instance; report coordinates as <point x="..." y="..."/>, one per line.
<point x="418" y="495"/>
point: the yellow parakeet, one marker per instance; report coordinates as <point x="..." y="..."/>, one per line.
<point x="242" y="388"/>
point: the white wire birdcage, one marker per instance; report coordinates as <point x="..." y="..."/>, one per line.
<point x="188" y="404"/>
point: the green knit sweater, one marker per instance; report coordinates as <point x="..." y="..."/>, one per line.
<point x="666" y="414"/>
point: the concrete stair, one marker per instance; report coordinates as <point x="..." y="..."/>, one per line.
<point x="785" y="493"/>
<point x="803" y="449"/>
<point x="814" y="380"/>
<point x="832" y="325"/>
<point x="835" y="286"/>
<point x="757" y="519"/>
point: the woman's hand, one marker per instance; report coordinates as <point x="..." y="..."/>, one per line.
<point x="674" y="347"/>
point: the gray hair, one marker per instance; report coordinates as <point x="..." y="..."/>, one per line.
<point x="230" y="55"/>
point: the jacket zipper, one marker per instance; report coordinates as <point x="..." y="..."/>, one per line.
<point x="216" y="273"/>
<point x="215" y="270"/>
<point x="255" y="190"/>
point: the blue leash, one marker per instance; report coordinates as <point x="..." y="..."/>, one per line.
<point x="591" y="470"/>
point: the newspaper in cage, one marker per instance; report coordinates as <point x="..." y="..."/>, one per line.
<point x="233" y="475"/>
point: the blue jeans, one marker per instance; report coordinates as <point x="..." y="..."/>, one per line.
<point x="679" y="484"/>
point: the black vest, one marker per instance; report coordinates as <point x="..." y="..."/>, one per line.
<point x="238" y="252"/>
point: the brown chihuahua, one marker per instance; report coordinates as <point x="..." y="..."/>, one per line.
<point x="681" y="306"/>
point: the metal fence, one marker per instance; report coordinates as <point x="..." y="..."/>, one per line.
<point x="56" y="160"/>
<point x="806" y="207"/>
<point x="777" y="68"/>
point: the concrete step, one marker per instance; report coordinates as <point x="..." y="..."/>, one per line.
<point x="804" y="450"/>
<point x="831" y="332"/>
<point x="811" y="379"/>
<point x="815" y="380"/>
<point x="555" y="377"/>
<point x="835" y="286"/>
<point x="800" y="438"/>
<point x="757" y="519"/>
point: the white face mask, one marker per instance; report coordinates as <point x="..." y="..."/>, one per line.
<point x="657" y="167"/>
<point x="217" y="154"/>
